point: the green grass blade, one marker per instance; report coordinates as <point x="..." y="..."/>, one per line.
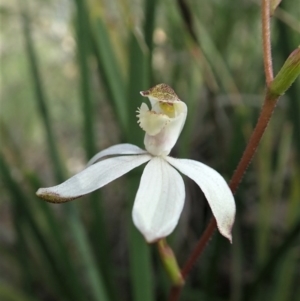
<point x="63" y="253"/>
<point x="40" y="95"/>
<point x="265" y="199"/>
<point x="83" y="54"/>
<point x="53" y="229"/>
<point x="8" y="293"/>
<point x="237" y="259"/>
<point x="51" y="265"/>
<point x="22" y="253"/>
<point x="216" y="61"/>
<point x="140" y="263"/>
<point x="140" y="54"/>
<point x="98" y="234"/>
<point x="150" y="13"/>
<point x="138" y="81"/>
<point x="139" y="255"/>
<point x="150" y="10"/>
<point x="286" y="273"/>
<point x="271" y="263"/>
<point x="109" y="69"/>
<point x="95" y="279"/>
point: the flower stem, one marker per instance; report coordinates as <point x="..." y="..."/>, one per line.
<point x="266" y="38"/>
<point x="170" y="263"/>
<point x="199" y="247"/>
<point x="263" y="120"/>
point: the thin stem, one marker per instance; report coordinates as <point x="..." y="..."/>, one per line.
<point x="170" y="263"/>
<point x="266" y="37"/>
<point x="199" y="247"/>
<point x="263" y="120"/>
<point x="174" y="293"/>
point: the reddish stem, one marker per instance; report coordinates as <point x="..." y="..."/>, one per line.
<point x="174" y="293"/>
<point x="263" y="120"/>
<point x="199" y="247"/>
<point x="266" y="38"/>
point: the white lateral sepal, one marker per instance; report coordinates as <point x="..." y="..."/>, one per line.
<point x="118" y="149"/>
<point x="92" y="178"/>
<point x="215" y="189"/>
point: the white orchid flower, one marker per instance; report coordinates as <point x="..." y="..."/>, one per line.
<point x="160" y="198"/>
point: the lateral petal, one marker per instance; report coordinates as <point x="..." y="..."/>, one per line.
<point x="118" y="149"/>
<point x="215" y="189"/>
<point x="159" y="200"/>
<point x="92" y="178"/>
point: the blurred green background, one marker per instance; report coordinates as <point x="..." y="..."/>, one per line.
<point x="71" y="76"/>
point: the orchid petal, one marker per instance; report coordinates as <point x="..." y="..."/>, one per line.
<point x="215" y="189"/>
<point x="92" y="178"/>
<point x="118" y="149"/>
<point x="159" y="200"/>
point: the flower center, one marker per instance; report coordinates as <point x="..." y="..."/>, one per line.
<point x="167" y="108"/>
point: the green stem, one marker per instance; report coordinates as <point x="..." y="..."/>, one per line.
<point x="170" y="263"/>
